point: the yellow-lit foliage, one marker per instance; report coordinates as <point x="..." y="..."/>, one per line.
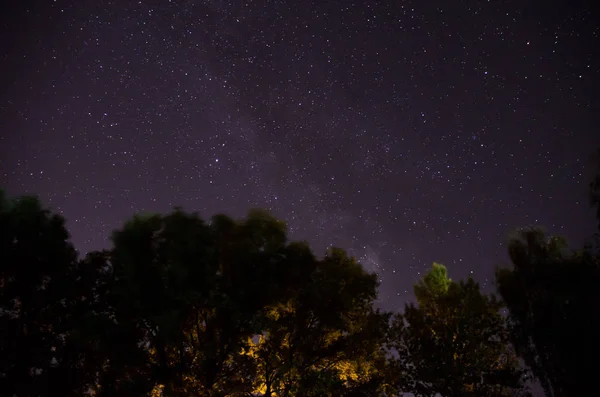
<point x="157" y="391"/>
<point x="268" y="351"/>
<point x="355" y="370"/>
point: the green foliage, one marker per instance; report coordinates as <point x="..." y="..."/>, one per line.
<point x="433" y="286"/>
<point x="454" y="342"/>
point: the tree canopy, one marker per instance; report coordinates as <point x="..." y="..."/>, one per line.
<point x="550" y="292"/>
<point x="454" y="341"/>
<point x="183" y="306"/>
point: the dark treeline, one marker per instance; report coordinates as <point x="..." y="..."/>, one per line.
<point x="181" y="306"/>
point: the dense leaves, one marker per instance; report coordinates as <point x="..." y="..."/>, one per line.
<point x="181" y="306"/>
<point x="551" y="293"/>
<point x="454" y="341"/>
<point x="324" y="340"/>
<point x="45" y="294"/>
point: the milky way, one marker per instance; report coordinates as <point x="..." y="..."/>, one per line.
<point x="405" y="132"/>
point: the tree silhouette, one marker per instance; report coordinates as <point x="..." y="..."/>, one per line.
<point x="326" y="339"/>
<point x="550" y="292"/>
<point x="200" y="291"/>
<point x="454" y="341"/>
<point x="180" y="306"/>
<point x="43" y="300"/>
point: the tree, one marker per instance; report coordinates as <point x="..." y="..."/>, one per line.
<point x="551" y="293"/>
<point x="42" y="301"/>
<point x="326" y="339"/>
<point x="433" y="287"/>
<point x="454" y="341"/>
<point x="180" y="306"/>
<point x="111" y="341"/>
<point x="199" y="291"/>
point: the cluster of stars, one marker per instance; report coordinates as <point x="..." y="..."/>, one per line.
<point x="404" y="132"/>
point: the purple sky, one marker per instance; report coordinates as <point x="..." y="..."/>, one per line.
<point x="406" y="132"/>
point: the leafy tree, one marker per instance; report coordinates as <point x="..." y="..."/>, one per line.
<point x="454" y="341"/>
<point x="550" y="292"/>
<point x="116" y="359"/>
<point x="43" y="299"/>
<point x="175" y="307"/>
<point x="199" y="291"/>
<point x="183" y="307"/>
<point x="326" y="339"/>
<point x="433" y="287"/>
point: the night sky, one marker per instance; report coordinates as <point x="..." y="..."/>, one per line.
<point x="405" y="132"/>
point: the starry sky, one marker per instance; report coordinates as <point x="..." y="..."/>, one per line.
<point x="404" y="131"/>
